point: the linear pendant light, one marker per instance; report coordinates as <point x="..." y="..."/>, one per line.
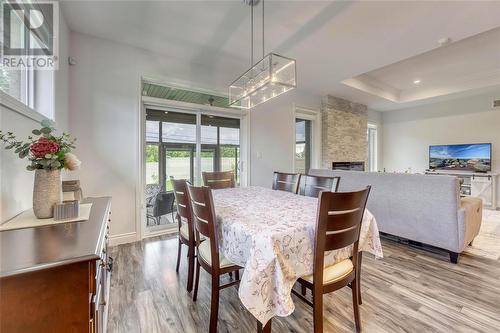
<point x="270" y="77"/>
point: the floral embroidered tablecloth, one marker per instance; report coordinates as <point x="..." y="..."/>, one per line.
<point x="271" y="234"/>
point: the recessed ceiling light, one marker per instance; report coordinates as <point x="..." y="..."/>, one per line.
<point x="416" y="81"/>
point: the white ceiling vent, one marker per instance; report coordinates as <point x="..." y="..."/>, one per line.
<point x="496" y="103"/>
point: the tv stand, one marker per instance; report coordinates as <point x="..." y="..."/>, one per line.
<point x="475" y="184"/>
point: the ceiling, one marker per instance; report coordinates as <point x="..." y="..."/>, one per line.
<point x="467" y="65"/>
<point x="389" y="43"/>
<point x="183" y="95"/>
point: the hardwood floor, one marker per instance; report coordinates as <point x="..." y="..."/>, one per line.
<point x="410" y="290"/>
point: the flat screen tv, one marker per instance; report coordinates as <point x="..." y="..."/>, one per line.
<point x="467" y="157"/>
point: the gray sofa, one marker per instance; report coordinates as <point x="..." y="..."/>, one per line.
<point x="420" y="208"/>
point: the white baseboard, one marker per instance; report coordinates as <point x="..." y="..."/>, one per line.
<point x="129" y="237"/>
<point x="161" y="232"/>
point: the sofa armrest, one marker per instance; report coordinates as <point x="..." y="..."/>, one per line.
<point x="470" y="215"/>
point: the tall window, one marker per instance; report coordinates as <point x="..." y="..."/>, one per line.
<point x="17" y="83"/>
<point x="302" y="145"/>
<point x="372" y="147"/>
<point x="170" y="147"/>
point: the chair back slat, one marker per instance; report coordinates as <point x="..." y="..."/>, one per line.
<point x="339" y="218"/>
<point x="219" y="179"/>
<point x="181" y="198"/>
<point x="311" y="186"/>
<point x="288" y="182"/>
<point x="204" y="220"/>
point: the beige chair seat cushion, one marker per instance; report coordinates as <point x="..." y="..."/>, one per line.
<point x="206" y="255"/>
<point x="185" y="231"/>
<point x="334" y="272"/>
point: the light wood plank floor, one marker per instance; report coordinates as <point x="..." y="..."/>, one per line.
<point x="410" y="290"/>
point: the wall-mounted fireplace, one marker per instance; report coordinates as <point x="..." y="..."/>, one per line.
<point x="353" y="166"/>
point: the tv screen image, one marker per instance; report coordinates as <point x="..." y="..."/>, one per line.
<point x="466" y="157"/>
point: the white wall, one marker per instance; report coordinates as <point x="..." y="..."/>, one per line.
<point x="16" y="183"/>
<point x="272" y="135"/>
<point x="408" y="133"/>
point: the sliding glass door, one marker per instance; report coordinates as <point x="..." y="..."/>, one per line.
<point x="172" y="142"/>
<point x="220" y="144"/>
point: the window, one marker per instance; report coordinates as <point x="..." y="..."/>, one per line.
<point x="302" y="145"/>
<point x="171" y="146"/>
<point x="152" y="152"/>
<point x="25" y="89"/>
<point x="17" y="83"/>
<point x="372" y="147"/>
<point x="220" y="144"/>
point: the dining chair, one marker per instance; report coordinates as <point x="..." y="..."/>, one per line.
<point x="208" y="255"/>
<point x="338" y="225"/>
<point x="218" y="179"/>
<point x="288" y="182"/>
<point x="185" y="227"/>
<point x="311" y="186"/>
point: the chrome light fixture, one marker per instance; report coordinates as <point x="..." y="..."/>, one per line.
<point x="270" y="77"/>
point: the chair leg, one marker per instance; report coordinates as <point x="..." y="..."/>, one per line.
<point x="355" y="304"/>
<point x="318" y="311"/>
<point x="358" y="277"/>
<point x="214" y="307"/>
<point x="230" y="275"/>
<point x="303" y="289"/>
<point x="179" y="250"/>
<point x="190" y="268"/>
<point x="196" y="281"/>
<point x="237" y="275"/>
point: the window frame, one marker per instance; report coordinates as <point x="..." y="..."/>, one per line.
<point x="314" y="115"/>
<point x="372" y="153"/>
<point x="307" y="142"/>
<point x="164" y="146"/>
<point x="26" y="105"/>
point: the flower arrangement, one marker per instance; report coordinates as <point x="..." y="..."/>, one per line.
<point x="44" y="150"/>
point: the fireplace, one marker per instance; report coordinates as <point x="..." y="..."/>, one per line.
<point x="353" y="166"/>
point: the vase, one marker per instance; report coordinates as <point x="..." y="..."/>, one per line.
<point x="47" y="191"/>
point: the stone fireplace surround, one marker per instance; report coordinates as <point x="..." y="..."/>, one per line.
<point x="343" y="133"/>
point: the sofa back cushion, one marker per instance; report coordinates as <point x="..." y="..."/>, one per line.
<point x="422" y="208"/>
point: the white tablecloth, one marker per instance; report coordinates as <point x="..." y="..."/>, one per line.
<point x="271" y="234"/>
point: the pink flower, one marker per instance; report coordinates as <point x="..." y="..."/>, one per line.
<point x="43" y="147"/>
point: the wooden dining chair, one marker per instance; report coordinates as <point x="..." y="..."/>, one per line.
<point x="185" y="227"/>
<point x="338" y="225"/>
<point x="288" y="182"/>
<point x="311" y="186"/>
<point x="208" y="255"/>
<point x="218" y="179"/>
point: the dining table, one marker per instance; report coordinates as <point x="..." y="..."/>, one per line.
<point x="271" y="234"/>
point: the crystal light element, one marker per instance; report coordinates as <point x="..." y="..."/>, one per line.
<point x="270" y="77"/>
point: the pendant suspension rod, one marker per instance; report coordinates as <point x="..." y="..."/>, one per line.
<point x="251" y="35"/>
<point x="263" y="53"/>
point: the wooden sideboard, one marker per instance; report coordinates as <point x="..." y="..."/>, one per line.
<point x="56" y="278"/>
